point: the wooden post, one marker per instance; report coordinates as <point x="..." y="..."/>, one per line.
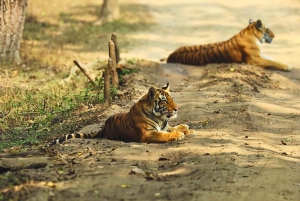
<point x="114" y="39"/>
<point x="107" y="81"/>
<point x="112" y="55"/>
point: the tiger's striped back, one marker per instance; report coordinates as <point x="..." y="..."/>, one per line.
<point x="204" y="54"/>
<point x="119" y="127"/>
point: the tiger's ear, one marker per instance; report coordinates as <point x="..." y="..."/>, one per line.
<point x="151" y="93"/>
<point x="258" y="24"/>
<point x="166" y="87"/>
<point x="250" y="21"/>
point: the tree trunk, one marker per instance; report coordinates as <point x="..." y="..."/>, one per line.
<point x="110" y="11"/>
<point x="12" y="18"/>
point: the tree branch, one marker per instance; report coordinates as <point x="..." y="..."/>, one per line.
<point x="84" y="72"/>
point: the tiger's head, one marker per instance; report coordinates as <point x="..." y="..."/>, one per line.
<point x="262" y="32"/>
<point x="162" y="102"/>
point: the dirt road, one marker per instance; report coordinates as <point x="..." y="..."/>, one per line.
<point x="247" y="120"/>
<point x="193" y="22"/>
<point x="246" y="145"/>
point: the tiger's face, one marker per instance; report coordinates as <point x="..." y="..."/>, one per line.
<point x="163" y="104"/>
<point x="264" y="33"/>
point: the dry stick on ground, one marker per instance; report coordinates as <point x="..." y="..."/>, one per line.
<point x="112" y="55"/>
<point x="84" y="72"/>
<point x="107" y="81"/>
<point x="114" y="39"/>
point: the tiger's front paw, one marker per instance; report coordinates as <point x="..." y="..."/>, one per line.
<point x="182" y="127"/>
<point x="191" y="131"/>
<point x="185" y="129"/>
<point x="178" y="136"/>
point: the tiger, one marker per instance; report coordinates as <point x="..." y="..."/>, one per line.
<point x="244" y="47"/>
<point x="146" y="121"/>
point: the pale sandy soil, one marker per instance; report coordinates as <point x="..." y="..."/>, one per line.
<point x="247" y="120"/>
<point x="199" y="22"/>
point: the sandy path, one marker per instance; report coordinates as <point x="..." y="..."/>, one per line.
<point x="240" y="168"/>
<point x="247" y="121"/>
<point x="192" y="22"/>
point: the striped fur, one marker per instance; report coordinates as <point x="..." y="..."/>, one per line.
<point x="244" y="47"/>
<point x="147" y="121"/>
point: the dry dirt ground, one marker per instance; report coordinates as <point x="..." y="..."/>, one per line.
<point x="246" y="146"/>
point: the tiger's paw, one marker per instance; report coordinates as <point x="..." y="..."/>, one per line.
<point x="182" y="127"/>
<point x="178" y="136"/>
<point x="185" y="129"/>
<point x="187" y="132"/>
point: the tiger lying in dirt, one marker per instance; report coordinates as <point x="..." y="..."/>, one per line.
<point x="147" y="121"/>
<point x="244" y="47"/>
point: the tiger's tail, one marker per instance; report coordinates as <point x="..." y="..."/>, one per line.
<point x="98" y="134"/>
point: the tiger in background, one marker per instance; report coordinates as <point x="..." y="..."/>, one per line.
<point x="147" y="121"/>
<point x="244" y="47"/>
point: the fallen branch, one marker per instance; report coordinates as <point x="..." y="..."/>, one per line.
<point x="7" y="114"/>
<point x="19" y="163"/>
<point x="84" y="72"/>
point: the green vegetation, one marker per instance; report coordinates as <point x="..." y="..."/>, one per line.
<point x="35" y="104"/>
<point x="27" y="113"/>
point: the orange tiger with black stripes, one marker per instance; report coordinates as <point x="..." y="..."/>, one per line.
<point x="244" y="47"/>
<point x="146" y="121"/>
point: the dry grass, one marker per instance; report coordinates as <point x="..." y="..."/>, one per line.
<point x="34" y="104"/>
